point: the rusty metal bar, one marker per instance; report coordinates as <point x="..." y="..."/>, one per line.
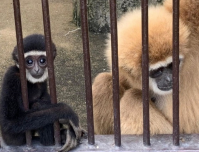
<point x="176" y="72"/>
<point x="52" y="85"/>
<point x="19" y="37"/>
<point x="145" y="73"/>
<point x="115" y="72"/>
<point x="87" y="71"/>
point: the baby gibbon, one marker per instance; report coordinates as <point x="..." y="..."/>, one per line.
<point x="160" y="73"/>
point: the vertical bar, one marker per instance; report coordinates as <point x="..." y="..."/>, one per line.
<point x="145" y="73"/>
<point x="18" y="27"/>
<point x="87" y="71"/>
<point x="176" y="72"/>
<point x="115" y="72"/>
<point x="48" y="42"/>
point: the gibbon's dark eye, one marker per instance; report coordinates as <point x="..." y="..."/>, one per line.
<point x="170" y="66"/>
<point x="29" y="62"/>
<point x="156" y="73"/>
<point x="42" y="60"/>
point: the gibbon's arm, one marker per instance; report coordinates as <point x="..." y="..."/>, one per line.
<point x="131" y="107"/>
<point x="35" y="119"/>
<point x="103" y="103"/>
<point x="14" y="119"/>
<point x="42" y="102"/>
<point x="11" y="98"/>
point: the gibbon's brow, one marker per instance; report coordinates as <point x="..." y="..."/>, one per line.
<point x="32" y="53"/>
<point x="163" y="63"/>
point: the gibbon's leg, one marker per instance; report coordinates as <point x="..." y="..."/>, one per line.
<point x="14" y="139"/>
<point x="131" y="108"/>
<point x="35" y="119"/>
<point x="13" y="131"/>
<point x="103" y="103"/>
<point x="46" y="135"/>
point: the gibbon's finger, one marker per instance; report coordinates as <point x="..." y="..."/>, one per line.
<point x="77" y="130"/>
<point x="83" y="133"/>
<point x="72" y="143"/>
<point x="68" y="141"/>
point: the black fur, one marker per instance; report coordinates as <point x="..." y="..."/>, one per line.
<point x="15" y="121"/>
<point x="34" y="42"/>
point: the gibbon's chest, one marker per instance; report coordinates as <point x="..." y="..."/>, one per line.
<point x="35" y="91"/>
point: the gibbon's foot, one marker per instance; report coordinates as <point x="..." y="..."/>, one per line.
<point x="70" y="135"/>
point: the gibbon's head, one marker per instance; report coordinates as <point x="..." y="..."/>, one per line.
<point x="35" y="58"/>
<point x="160" y="47"/>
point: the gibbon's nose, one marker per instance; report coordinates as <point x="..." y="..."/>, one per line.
<point x="36" y="68"/>
<point x="169" y="78"/>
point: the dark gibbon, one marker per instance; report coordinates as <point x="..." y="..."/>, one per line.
<point x="160" y="73"/>
<point x="14" y="120"/>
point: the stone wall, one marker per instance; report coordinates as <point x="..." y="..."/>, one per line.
<point x="98" y="12"/>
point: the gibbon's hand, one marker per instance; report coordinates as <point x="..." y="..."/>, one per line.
<point x="71" y="135"/>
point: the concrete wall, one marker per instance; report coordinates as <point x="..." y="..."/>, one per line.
<point x="98" y="12"/>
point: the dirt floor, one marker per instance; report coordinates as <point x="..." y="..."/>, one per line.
<point x="67" y="37"/>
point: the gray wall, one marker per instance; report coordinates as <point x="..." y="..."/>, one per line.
<point x="98" y="12"/>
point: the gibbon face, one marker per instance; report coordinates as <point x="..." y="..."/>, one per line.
<point x="36" y="66"/>
<point x="35" y="58"/>
<point x="160" y="47"/>
<point x="160" y="76"/>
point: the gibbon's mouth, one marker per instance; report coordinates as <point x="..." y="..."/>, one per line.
<point x="37" y="76"/>
<point x="168" y="88"/>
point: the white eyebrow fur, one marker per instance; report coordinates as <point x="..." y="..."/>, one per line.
<point x="34" y="53"/>
<point x="163" y="63"/>
<point x="38" y="53"/>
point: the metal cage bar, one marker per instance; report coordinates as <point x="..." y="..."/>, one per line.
<point x="87" y="71"/>
<point x="176" y="72"/>
<point x="145" y="73"/>
<point x="19" y="37"/>
<point x="52" y="85"/>
<point x="115" y="72"/>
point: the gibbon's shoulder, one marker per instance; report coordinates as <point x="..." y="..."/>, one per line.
<point x="130" y="38"/>
<point x="12" y="70"/>
<point x="12" y="75"/>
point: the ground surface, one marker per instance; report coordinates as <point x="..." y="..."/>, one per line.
<point x="69" y="62"/>
<point x="130" y="143"/>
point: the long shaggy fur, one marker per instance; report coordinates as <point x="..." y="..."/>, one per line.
<point x="15" y="120"/>
<point x="160" y="50"/>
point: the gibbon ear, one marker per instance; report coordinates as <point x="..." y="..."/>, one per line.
<point x="54" y="50"/>
<point x="15" y="56"/>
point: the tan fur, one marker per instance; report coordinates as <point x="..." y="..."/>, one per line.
<point x="188" y="12"/>
<point x="160" y="48"/>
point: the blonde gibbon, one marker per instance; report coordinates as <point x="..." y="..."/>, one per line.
<point x="160" y="73"/>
